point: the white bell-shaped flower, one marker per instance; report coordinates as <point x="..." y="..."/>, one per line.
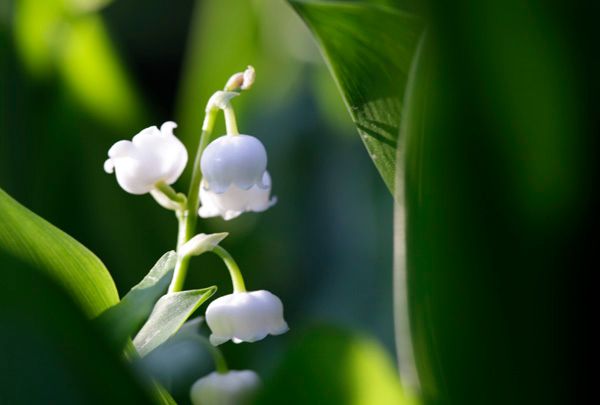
<point x="245" y="317"/>
<point x="230" y="388"/>
<point x="152" y="156"/>
<point x="239" y="160"/>
<point x="235" y="201"/>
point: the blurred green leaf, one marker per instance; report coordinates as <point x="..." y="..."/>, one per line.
<point x="495" y="164"/>
<point x="88" y="62"/>
<point x="352" y="370"/>
<point x="163" y="396"/>
<point x="65" y="38"/>
<point x="50" y="352"/>
<point x="86" y="6"/>
<point x="124" y="319"/>
<point x="368" y="49"/>
<point x="170" y="312"/>
<point x="31" y="239"/>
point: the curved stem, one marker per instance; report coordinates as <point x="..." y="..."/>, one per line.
<point x="169" y="192"/>
<point x="234" y="271"/>
<point x="218" y="358"/>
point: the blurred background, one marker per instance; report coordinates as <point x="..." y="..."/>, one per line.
<point x="499" y="183"/>
<point x="78" y="75"/>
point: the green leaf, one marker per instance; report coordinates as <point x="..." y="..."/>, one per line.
<point x="36" y="242"/>
<point x="123" y="320"/>
<point x="413" y="117"/>
<point x="369" y="49"/>
<point x="170" y="312"/>
<point x="49" y="350"/>
<point x="496" y="201"/>
<point x="352" y="369"/>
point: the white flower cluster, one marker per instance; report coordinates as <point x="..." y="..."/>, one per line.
<point x="235" y="180"/>
<point x="234" y="168"/>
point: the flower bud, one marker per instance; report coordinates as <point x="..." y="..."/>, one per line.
<point x="239" y="160"/>
<point x="245" y="317"/>
<point x="231" y="388"/>
<point x="242" y="80"/>
<point x="235" y="201"/>
<point x="152" y="156"/>
<point x="235" y="82"/>
<point x="249" y="77"/>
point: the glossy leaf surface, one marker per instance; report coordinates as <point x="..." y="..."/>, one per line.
<point x="26" y="236"/>
<point x="123" y="320"/>
<point x="369" y="49"/>
<point x="169" y="313"/>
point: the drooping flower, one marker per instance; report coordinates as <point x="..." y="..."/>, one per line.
<point x="231" y="388"/>
<point x="239" y="160"/>
<point x="245" y="317"/>
<point x="235" y="201"/>
<point x="152" y="156"/>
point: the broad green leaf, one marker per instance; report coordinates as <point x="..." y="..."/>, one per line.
<point x="36" y="242"/>
<point x="170" y="312"/>
<point x="49" y="350"/>
<point x="496" y="199"/>
<point x="352" y="370"/>
<point x="123" y="320"/>
<point x="368" y="49"/>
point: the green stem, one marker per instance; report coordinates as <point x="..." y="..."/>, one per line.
<point x="218" y="358"/>
<point x="182" y="262"/>
<point x="220" y="363"/>
<point x="188" y="219"/>
<point x="169" y="192"/>
<point x="230" y="121"/>
<point x="181" y="234"/>
<point x="234" y="271"/>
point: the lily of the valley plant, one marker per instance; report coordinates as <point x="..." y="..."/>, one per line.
<point x="229" y="178"/>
